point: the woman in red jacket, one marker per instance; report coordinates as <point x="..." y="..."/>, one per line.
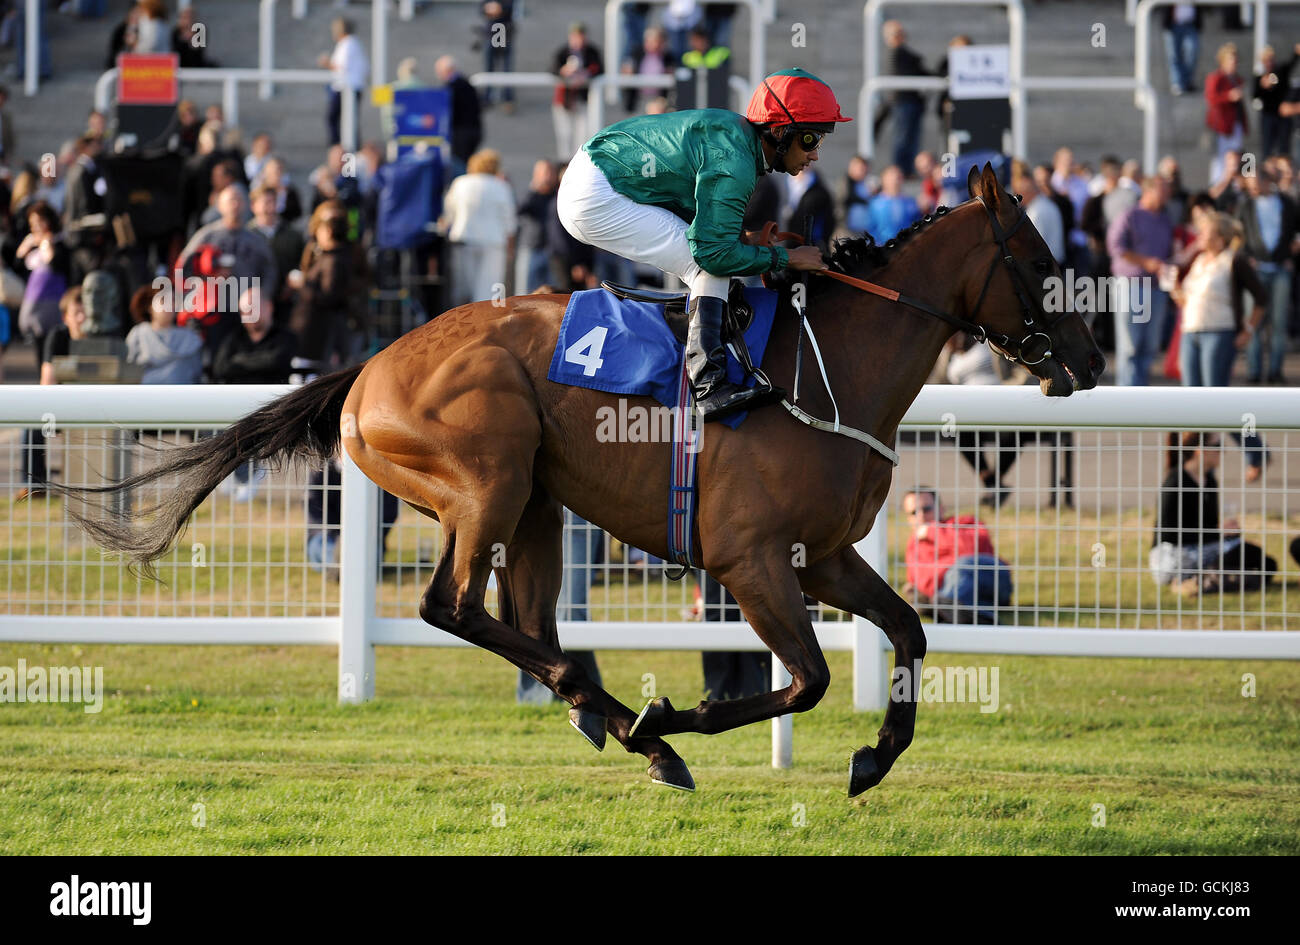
<point x="1225" y="113"/>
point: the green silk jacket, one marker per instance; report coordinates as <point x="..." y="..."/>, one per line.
<point x="700" y="164"/>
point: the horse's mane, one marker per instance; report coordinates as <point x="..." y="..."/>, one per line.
<point x="858" y="256"/>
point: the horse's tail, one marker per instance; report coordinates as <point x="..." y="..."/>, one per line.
<point x="301" y="424"/>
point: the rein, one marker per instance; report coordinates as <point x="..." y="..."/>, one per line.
<point x="1001" y="343"/>
<point x="893" y="295"/>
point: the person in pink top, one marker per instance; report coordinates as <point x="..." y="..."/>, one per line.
<point x="952" y="566"/>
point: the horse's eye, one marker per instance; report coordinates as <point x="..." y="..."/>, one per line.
<point x="1043" y="267"/>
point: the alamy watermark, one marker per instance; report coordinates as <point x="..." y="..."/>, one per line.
<point x="79" y="898"/>
<point x="25" y="683"/>
<point x="181" y="293"/>
<point x="638" y="423"/>
<point x="946" y="684"/>
<point x="1086" y="295"/>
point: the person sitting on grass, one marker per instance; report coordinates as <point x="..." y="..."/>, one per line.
<point x="1191" y="551"/>
<point x="952" y="567"/>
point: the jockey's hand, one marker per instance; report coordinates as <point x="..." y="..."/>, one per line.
<point x="806" y="258"/>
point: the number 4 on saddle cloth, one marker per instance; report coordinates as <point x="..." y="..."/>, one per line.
<point x="628" y="341"/>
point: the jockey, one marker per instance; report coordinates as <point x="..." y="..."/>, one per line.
<point x="671" y="191"/>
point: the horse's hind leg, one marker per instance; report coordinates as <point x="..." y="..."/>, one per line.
<point x="533" y="566"/>
<point x="769" y="595"/>
<point x="847" y="582"/>
<point x="465" y="451"/>
<point x="529" y="581"/>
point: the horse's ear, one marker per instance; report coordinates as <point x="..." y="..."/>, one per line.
<point x="972" y="180"/>
<point x="991" y="187"/>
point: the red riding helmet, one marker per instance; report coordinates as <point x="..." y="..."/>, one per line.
<point x="794" y="96"/>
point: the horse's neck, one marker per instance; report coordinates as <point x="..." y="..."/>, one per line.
<point x="884" y="351"/>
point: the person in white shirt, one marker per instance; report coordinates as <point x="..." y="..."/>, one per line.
<point x="351" y="68"/>
<point x="679" y="17"/>
<point x="153" y="32"/>
<point x="1068" y="181"/>
<point x="258" y="154"/>
<point x="1042" y="211"/>
<point x="1130" y="177"/>
<point x="479" y="221"/>
<point x="1214" y="324"/>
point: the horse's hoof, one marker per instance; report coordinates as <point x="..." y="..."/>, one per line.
<point x="651" y="719"/>
<point x="589" y="725"/>
<point x="863" y="771"/>
<point x="672" y="773"/>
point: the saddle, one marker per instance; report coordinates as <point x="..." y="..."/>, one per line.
<point x="740" y="314"/>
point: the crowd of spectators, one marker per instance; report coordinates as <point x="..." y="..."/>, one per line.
<point x="302" y="254"/>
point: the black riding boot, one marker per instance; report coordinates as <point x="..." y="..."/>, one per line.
<point x="706" y="364"/>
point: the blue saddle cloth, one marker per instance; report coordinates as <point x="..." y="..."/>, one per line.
<point x="624" y="347"/>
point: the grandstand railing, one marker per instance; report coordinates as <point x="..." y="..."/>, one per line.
<point x="761" y="12"/>
<point x="596" y="87"/>
<point x="241" y="574"/>
<point x="1146" y="98"/>
<point x="873" y="79"/>
<point x="1247" y="10"/>
<point x="1020" y="84"/>
<point x="601" y="83"/>
<point x="230" y="79"/>
<point x="378" y="37"/>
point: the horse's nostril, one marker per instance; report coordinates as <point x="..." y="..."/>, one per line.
<point x="1096" y="364"/>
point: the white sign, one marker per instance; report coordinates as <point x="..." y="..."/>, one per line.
<point x="979" y="72"/>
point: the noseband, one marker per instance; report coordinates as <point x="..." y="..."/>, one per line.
<point x="998" y="342"/>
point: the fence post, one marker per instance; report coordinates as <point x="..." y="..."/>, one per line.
<point x="1150" y="128"/>
<point x="782" y="725"/>
<point x="265" y="47"/>
<point x="105" y="87"/>
<point x="1261" y="25"/>
<point x="32" y="47"/>
<point x="349" y="132"/>
<point x="595" y="104"/>
<point x="870" y="683"/>
<point x="358" y="564"/>
<point x="1019" y="100"/>
<point x="230" y="102"/>
<point x="613" y="51"/>
<point x="757" y="44"/>
<point x="378" y="42"/>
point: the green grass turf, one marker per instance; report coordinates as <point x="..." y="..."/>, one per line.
<point x="445" y="762"/>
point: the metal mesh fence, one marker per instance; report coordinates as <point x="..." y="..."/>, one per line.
<point x="248" y="550"/>
<point x="1067" y="518"/>
<point x="1075" y="521"/>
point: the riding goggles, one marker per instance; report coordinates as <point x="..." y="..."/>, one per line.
<point x="809" y="140"/>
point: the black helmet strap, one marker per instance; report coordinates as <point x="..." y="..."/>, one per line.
<point x="783" y="142"/>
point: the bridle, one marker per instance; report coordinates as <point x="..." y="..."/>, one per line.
<point x="1029" y="350"/>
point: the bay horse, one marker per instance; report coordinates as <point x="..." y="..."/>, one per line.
<point x="458" y="419"/>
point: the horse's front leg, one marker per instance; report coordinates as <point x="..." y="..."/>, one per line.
<point x="768" y="593"/>
<point x="847" y="582"/>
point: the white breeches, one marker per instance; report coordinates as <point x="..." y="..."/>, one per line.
<point x="594" y="212"/>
